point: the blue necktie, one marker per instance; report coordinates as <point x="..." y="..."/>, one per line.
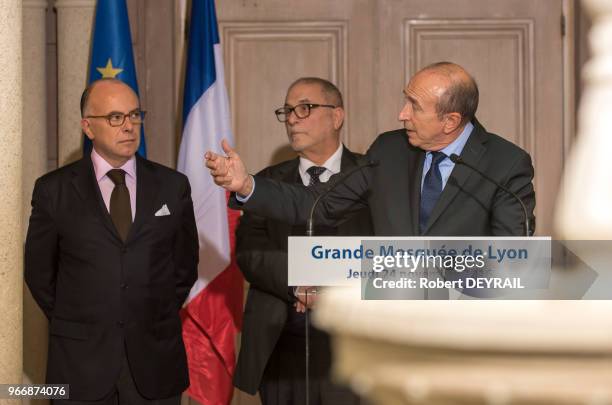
<point x="432" y="188"/>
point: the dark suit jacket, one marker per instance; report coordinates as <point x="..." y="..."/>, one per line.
<point x="468" y="206"/>
<point x="103" y="297"/>
<point x="261" y="253"/>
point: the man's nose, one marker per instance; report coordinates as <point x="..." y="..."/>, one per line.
<point x="127" y="126"/>
<point x="292" y="118"/>
<point x="406" y="112"/>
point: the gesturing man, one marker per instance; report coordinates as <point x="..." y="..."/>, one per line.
<point x="416" y="189"/>
<point x="111" y="253"/>
<point x="272" y="352"/>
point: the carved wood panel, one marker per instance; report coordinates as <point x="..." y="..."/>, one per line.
<point x="497" y="52"/>
<point x="262" y="60"/>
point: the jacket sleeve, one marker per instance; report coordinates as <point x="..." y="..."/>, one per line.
<point x="291" y="203"/>
<point x="41" y="250"/>
<point x="186" y="247"/>
<point x="262" y="262"/>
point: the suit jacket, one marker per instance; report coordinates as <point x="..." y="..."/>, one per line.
<point x="261" y="253"/>
<point x="468" y="206"/>
<point x="105" y="298"/>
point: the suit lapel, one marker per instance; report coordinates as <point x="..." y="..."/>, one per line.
<point x="395" y="189"/>
<point x="414" y="190"/>
<point x="348" y="160"/>
<point x="292" y="176"/>
<point x="87" y="188"/>
<point x="147" y="190"/>
<point x="472" y="153"/>
<point x="291" y="173"/>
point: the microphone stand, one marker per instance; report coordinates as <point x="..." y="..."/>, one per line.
<point x="310" y="233"/>
<point x="307" y="348"/>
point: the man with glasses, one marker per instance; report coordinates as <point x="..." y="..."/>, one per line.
<point x="272" y="353"/>
<point x="111" y="254"/>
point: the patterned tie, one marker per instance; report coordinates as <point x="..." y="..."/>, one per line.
<point x="120" y="208"/>
<point x="432" y="188"/>
<point x="315" y="172"/>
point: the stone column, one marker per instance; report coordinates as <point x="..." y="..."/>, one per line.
<point x="74" y="24"/>
<point x="487" y="352"/>
<point x="34" y="165"/>
<point x="11" y="238"/>
<point x="34" y="97"/>
<point x="584" y="205"/>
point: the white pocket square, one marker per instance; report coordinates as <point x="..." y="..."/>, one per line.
<point x="163" y="211"/>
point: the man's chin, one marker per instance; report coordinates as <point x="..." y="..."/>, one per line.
<point x="298" y="146"/>
<point x="129" y="152"/>
<point x="412" y="138"/>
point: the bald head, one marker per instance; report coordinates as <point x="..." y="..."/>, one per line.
<point x="461" y="92"/>
<point x="99" y="88"/>
<point x="330" y="91"/>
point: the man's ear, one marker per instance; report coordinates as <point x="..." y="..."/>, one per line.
<point x="338" y="118"/>
<point x="86" y="128"/>
<point x="453" y="121"/>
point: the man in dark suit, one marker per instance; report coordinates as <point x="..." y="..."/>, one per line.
<point x="272" y="353"/>
<point x="416" y="189"/>
<point x="111" y="254"/>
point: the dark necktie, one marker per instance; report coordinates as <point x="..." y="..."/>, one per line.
<point x="432" y="188"/>
<point x="120" y="208"/>
<point x="315" y="172"/>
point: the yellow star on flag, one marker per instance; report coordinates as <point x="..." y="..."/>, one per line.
<point x="109" y="71"/>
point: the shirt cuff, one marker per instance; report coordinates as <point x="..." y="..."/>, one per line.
<point x="243" y="199"/>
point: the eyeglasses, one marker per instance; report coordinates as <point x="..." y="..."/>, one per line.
<point x="116" y="119"/>
<point x="300" y="110"/>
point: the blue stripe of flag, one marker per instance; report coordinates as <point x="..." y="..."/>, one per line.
<point x="112" y="40"/>
<point x="203" y="34"/>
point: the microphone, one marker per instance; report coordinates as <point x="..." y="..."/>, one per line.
<point x="459" y="161"/>
<point x="361" y="165"/>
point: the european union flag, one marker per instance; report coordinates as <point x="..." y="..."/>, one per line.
<point x="111" y="53"/>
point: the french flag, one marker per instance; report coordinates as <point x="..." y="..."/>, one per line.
<point x="213" y="311"/>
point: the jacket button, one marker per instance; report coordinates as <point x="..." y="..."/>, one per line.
<point x="120" y="324"/>
<point x="124" y="286"/>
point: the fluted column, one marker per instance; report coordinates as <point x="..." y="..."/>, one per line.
<point x="11" y="237"/>
<point x="34" y="97"/>
<point x="34" y="165"/>
<point x="74" y="23"/>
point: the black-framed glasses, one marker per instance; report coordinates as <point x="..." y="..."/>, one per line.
<point x="116" y="119"/>
<point x="300" y="110"/>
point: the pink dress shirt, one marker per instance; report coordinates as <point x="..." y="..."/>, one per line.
<point x="101" y="167"/>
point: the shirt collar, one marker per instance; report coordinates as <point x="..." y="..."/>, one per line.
<point x="101" y="166"/>
<point x="457" y="145"/>
<point x="332" y="164"/>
